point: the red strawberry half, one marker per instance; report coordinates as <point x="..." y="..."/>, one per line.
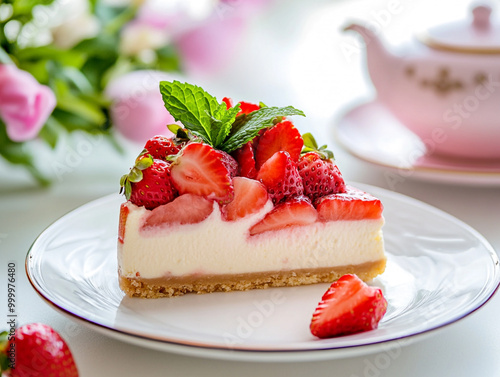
<point x="282" y="137"/>
<point x="293" y="212"/>
<point x="281" y="177"/>
<point x="319" y="176"/>
<point x="247" y="107"/>
<point x="201" y="170"/>
<point x="40" y="351"/>
<point x="246" y="161"/>
<point x="349" y="306"/>
<point x="250" y="196"/>
<point x="353" y="204"/>
<point x="185" y="209"/>
<point x="161" y="146"/>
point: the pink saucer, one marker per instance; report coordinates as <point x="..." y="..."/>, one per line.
<point x="371" y="133"/>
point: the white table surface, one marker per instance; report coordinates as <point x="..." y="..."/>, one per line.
<point x="322" y="85"/>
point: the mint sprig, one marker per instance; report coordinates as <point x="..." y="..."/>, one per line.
<point x="310" y="145"/>
<point x="213" y="122"/>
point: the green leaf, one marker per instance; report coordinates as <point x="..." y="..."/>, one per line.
<point x="248" y="126"/>
<point x="309" y="141"/>
<point x="222" y="122"/>
<point x="190" y="105"/>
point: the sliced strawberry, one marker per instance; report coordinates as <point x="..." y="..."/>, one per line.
<point x="39" y="351"/>
<point x="349" y="306"/>
<point x="200" y="170"/>
<point x="246" y="161"/>
<point x="161" y="146"/>
<point x="228" y="101"/>
<point x="294" y="212"/>
<point x="353" y="204"/>
<point x="124" y="211"/>
<point x="280" y="176"/>
<point x="282" y="137"/>
<point x="319" y="176"/>
<point x="247" y="107"/>
<point x="185" y="209"/>
<point x="250" y="196"/>
<point x="155" y="188"/>
<point x="229" y="162"/>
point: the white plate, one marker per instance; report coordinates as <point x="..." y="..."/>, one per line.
<point x="439" y="270"/>
<point x="372" y="133"/>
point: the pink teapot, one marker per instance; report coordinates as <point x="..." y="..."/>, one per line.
<point x="446" y="86"/>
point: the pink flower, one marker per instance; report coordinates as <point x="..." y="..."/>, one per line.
<point x="138" y="112"/>
<point x="25" y="104"/>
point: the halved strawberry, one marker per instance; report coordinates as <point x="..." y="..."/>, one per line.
<point x="124" y="211"/>
<point x="319" y="176"/>
<point x="185" y="209"/>
<point x="249" y="197"/>
<point x="161" y="146"/>
<point x="353" y="204"/>
<point x="282" y="137"/>
<point x="229" y="162"/>
<point x="280" y="176"/>
<point x="246" y="161"/>
<point x="247" y="107"/>
<point x="294" y="212"/>
<point x="199" y="169"/>
<point x="349" y="306"/>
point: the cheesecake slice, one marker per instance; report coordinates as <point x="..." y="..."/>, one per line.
<point x="259" y="206"/>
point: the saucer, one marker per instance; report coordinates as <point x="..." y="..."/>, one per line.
<point x="370" y="132"/>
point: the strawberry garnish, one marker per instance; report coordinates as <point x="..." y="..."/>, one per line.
<point x="280" y="176"/>
<point x="250" y="196"/>
<point x="349" y="306"/>
<point x="229" y="162"/>
<point x="247" y="107"/>
<point x="282" y="137"/>
<point x="228" y="101"/>
<point x="319" y="176"/>
<point x="124" y="211"/>
<point x="185" y="209"/>
<point x="294" y="212"/>
<point x="39" y="351"/>
<point x="353" y="204"/>
<point x="199" y="169"/>
<point x="149" y="182"/>
<point x="161" y="146"/>
<point x="246" y="161"/>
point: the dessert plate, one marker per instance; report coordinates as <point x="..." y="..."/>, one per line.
<point x="73" y="266"/>
<point x="372" y="133"/>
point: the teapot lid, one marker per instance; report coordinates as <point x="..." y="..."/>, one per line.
<point x="479" y="36"/>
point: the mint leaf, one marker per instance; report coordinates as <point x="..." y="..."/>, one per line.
<point x="247" y="126"/>
<point x="192" y="106"/>
<point x="222" y="124"/>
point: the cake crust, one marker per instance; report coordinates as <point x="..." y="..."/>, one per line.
<point x="177" y="286"/>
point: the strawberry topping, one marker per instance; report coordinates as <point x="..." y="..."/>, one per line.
<point x="349" y="306"/>
<point x="294" y="212"/>
<point x="246" y="161"/>
<point x="281" y="177"/>
<point x="250" y="196"/>
<point x="161" y="146"/>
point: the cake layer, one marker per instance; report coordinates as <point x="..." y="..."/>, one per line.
<point x="176" y="286"/>
<point x="215" y="246"/>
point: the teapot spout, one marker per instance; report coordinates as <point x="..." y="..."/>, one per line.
<point x="380" y="61"/>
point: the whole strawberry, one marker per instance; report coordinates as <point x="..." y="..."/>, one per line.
<point x="319" y="173"/>
<point x="39" y="352"/>
<point x="161" y="146"/>
<point x="149" y="183"/>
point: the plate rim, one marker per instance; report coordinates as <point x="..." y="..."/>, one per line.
<point x="251" y="354"/>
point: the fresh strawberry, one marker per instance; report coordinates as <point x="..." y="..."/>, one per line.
<point x="282" y="137"/>
<point x="185" y="209"/>
<point x="293" y="212"/>
<point x="149" y="183"/>
<point x="199" y="169"/>
<point x="250" y="196"/>
<point x="124" y="211"/>
<point x="228" y="101"/>
<point x="349" y="306"/>
<point x="246" y="161"/>
<point x="229" y="162"/>
<point x="319" y="176"/>
<point x="353" y="204"/>
<point x="280" y="176"/>
<point x="247" y="107"/>
<point x="161" y="146"/>
<point x="39" y="351"/>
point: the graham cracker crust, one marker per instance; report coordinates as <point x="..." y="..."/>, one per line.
<point x="177" y="286"/>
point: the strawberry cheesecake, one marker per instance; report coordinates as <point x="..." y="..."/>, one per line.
<point x="238" y="199"/>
